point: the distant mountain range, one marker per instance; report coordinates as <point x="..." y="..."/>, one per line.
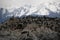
<point x="46" y="9"/>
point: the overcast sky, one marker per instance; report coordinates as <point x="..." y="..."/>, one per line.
<point x="18" y="3"/>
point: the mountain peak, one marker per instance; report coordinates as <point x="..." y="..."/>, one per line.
<point x="44" y="9"/>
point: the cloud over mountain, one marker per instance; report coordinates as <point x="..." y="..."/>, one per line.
<point x="44" y="9"/>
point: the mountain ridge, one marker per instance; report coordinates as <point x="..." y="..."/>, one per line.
<point x="46" y="9"/>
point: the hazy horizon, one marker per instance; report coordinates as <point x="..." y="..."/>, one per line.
<point x="18" y="3"/>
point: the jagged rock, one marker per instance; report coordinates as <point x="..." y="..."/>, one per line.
<point x="30" y="28"/>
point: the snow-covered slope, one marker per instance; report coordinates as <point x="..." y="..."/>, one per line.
<point x="47" y="9"/>
<point x="42" y="9"/>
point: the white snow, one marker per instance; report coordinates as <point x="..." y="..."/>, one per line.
<point x="41" y="9"/>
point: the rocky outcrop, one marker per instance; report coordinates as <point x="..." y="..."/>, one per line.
<point x="30" y="28"/>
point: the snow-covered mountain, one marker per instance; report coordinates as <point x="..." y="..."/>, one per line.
<point x="44" y="9"/>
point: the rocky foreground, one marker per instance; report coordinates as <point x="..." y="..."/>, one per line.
<point x="30" y="28"/>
